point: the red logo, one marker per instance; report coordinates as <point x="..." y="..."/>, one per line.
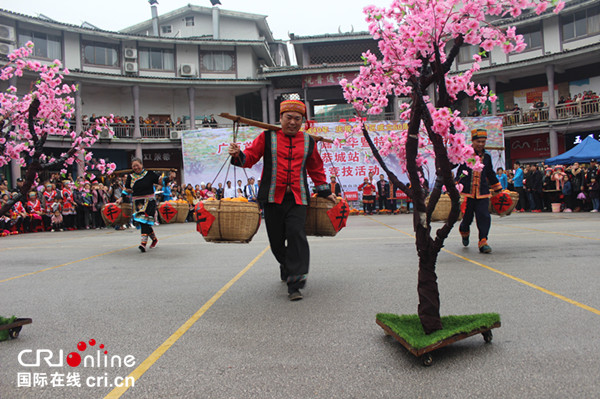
<point x="112" y="212"/>
<point x="167" y="211"/>
<point x="204" y="219"/>
<point x="501" y="202"/>
<point x="74" y="358"/>
<point x="339" y="215"/>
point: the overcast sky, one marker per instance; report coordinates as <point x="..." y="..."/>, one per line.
<point x="302" y="17"/>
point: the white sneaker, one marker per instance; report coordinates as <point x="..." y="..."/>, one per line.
<point x="594" y="210"/>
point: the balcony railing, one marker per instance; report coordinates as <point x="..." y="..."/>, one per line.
<point x="563" y="111"/>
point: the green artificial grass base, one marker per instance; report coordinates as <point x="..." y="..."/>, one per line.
<point x="409" y="328"/>
<point x="4" y="333"/>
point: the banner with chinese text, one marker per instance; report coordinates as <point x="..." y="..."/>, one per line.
<point x="351" y="160"/>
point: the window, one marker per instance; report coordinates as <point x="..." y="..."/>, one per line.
<point x="581" y="23"/>
<point x="189" y="21"/>
<point x="532" y="36"/>
<point x="218" y="61"/>
<point x="165" y="28"/>
<point x="100" y="54"/>
<point x="45" y="46"/>
<point x="157" y="58"/>
<point x="466" y="53"/>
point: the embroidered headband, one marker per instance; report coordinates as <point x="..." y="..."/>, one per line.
<point x="294" y="106"/>
<point x="478" y="134"/>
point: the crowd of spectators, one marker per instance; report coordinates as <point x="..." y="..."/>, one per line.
<point x="59" y="203"/>
<point x="573" y="188"/>
<point x="62" y="203"/>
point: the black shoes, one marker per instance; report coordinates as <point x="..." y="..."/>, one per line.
<point x="142" y="248"/>
<point x="465" y="241"/>
<point x="295" y="295"/>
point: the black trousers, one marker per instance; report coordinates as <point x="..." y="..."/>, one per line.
<point x="480" y="209"/>
<point x="522" y="204"/>
<point x="287" y="237"/>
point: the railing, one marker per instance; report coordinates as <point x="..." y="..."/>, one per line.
<point x="350" y="118"/>
<point x="161" y="131"/>
<point x="563" y="111"/>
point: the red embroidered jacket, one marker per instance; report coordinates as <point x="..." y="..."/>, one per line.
<point x="368" y="189"/>
<point x="287" y="159"/>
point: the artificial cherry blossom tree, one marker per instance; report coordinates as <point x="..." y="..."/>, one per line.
<point x="27" y="121"/>
<point x="419" y="41"/>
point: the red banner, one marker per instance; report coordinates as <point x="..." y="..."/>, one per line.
<point x="534" y="146"/>
<point x="351" y="195"/>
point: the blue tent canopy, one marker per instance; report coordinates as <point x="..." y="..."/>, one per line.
<point x="588" y="149"/>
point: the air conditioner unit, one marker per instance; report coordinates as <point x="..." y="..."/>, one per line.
<point x="6" y="49"/>
<point x="131" y="53"/>
<point x="131" y="67"/>
<point x="7" y="33"/>
<point x="104" y="134"/>
<point x="175" y="135"/>
<point x="187" y="70"/>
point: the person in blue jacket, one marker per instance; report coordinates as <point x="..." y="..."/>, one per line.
<point x="518" y="183"/>
<point x="502" y="178"/>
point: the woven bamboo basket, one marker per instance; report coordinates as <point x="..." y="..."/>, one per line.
<point x="514" y="196"/>
<point x="235" y="221"/>
<point x="442" y="209"/>
<point x="183" y="208"/>
<point x="317" y="221"/>
<point x="124" y="218"/>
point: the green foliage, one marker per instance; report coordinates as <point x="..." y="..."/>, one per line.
<point x="3" y="321"/>
<point x="409" y="327"/>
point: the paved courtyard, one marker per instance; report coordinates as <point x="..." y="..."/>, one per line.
<point x="192" y="319"/>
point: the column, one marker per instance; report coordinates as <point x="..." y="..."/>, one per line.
<point x="271" y="96"/>
<point x="15" y="172"/>
<point x="551" y="99"/>
<point x="492" y="89"/>
<point x="138" y="151"/>
<point x="396" y="108"/>
<point x="307" y="104"/>
<point x="553" y="142"/>
<point x="79" y="125"/>
<point x="135" y="92"/>
<point x="192" y="99"/>
<point x="431" y="93"/>
<point x="263" y="98"/>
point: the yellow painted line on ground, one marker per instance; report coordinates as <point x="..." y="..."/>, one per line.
<point x="527" y="283"/>
<point x="510" y="276"/>
<point x="153" y="358"/>
<point x="549" y="232"/>
<point x="80" y="260"/>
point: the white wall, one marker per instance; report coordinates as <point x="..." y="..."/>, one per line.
<point x="246" y="63"/>
<point x="72" y="51"/>
<point x="591" y="84"/>
<point x="581" y="42"/>
<point x="236" y="28"/>
<point x="525" y="55"/>
<point x="106" y="100"/>
<point x="551" y="34"/>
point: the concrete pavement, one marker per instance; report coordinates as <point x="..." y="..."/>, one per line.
<point x="206" y="320"/>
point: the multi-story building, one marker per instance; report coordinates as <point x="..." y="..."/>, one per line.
<point x="197" y="61"/>
<point x="536" y="88"/>
<point x="186" y="64"/>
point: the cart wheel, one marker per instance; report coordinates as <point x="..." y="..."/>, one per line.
<point x="487" y="336"/>
<point x="13" y="333"/>
<point x="427" y="360"/>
